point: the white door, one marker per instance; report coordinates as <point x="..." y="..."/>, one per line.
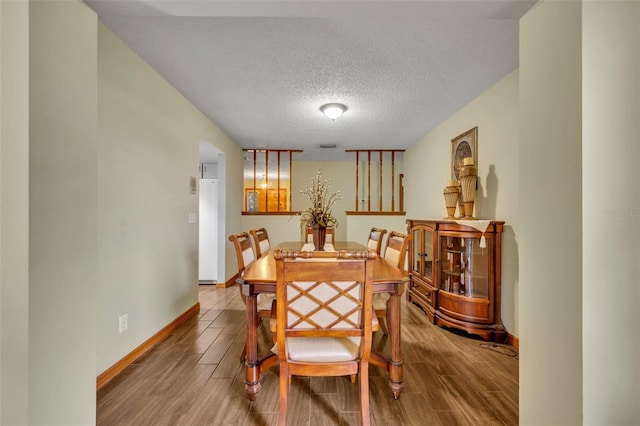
<point x="208" y="258"/>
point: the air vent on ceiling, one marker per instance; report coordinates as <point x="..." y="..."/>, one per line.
<point x="328" y="145"/>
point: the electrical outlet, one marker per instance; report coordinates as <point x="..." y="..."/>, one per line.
<point x="123" y="322"/>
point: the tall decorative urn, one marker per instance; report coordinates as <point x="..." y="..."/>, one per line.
<point x="469" y="181"/>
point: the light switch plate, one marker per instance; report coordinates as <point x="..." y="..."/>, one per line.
<point x="193" y="218"/>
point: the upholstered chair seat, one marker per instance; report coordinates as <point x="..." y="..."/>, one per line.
<point x="264" y="301"/>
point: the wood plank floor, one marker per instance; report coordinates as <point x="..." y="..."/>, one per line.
<point x="194" y="378"/>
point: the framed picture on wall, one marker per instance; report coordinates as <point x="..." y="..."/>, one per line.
<point x="463" y="146"/>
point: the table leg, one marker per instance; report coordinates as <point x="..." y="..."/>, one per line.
<point x="396" y="378"/>
<point x="252" y="369"/>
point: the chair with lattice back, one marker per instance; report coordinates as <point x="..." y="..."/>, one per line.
<point x="396" y="254"/>
<point x="324" y="318"/>
<point x="245" y="256"/>
<point x="374" y="242"/>
<point x="260" y="241"/>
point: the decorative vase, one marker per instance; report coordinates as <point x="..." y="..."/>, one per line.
<point x="451" y="195"/>
<point x="469" y="181"/>
<point x="319" y="236"/>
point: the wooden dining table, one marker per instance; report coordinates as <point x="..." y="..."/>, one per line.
<point x="260" y="277"/>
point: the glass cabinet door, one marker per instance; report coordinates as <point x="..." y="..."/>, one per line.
<point x="422" y="262"/>
<point x="427" y="257"/>
<point x="465" y="267"/>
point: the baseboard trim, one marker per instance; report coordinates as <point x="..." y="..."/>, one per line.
<point x="130" y="358"/>
<point x="231" y="281"/>
<point x="513" y="341"/>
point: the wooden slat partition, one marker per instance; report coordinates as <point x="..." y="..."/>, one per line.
<point x="380" y="186"/>
<point x="393" y="181"/>
<point x="380" y="203"/>
<point x="402" y="191"/>
<point x="266" y="180"/>
<point x="290" y="179"/>
<point x="369" y="180"/>
<point x="357" y="178"/>
<point x="278" y="192"/>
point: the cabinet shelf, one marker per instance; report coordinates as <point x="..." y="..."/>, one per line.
<point x="472" y="276"/>
<point x="462" y="291"/>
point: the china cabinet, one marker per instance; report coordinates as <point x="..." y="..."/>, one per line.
<point x="455" y="275"/>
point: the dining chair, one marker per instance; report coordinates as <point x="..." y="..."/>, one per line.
<point x="396" y="254"/>
<point x="260" y="241"/>
<point x="374" y="241"/>
<point x="245" y="256"/>
<point x="324" y="318"/>
<point x="330" y="235"/>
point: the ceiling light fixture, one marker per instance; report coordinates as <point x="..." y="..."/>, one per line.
<point x="333" y="110"/>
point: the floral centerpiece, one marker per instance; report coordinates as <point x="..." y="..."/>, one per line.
<point x="319" y="215"/>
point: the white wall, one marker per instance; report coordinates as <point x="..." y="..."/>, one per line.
<point x="14" y="212"/>
<point x="149" y="139"/>
<point x="62" y="213"/>
<point x="611" y="212"/>
<point x="550" y="222"/>
<point x="428" y="167"/>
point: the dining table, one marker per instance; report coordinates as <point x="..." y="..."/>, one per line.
<point x="260" y="277"/>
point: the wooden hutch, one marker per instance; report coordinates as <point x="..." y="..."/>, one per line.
<point x="455" y="275"/>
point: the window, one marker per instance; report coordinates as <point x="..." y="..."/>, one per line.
<point x="267" y="180"/>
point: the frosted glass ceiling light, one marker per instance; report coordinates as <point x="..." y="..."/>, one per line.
<point x="333" y="111"/>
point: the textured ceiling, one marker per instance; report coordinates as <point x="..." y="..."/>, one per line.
<point x="260" y="70"/>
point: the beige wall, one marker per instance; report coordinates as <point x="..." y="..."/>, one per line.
<point x="14" y="212"/>
<point x="550" y="217"/>
<point x="149" y="139"/>
<point x="428" y="167"/>
<point x="62" y="213"/>
<point x="611" y="212"/>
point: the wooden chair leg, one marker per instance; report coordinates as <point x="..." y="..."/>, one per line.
<point x="285" y="378"/>
<point x="364" y="394"/>
<point x="353" y="377"/>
